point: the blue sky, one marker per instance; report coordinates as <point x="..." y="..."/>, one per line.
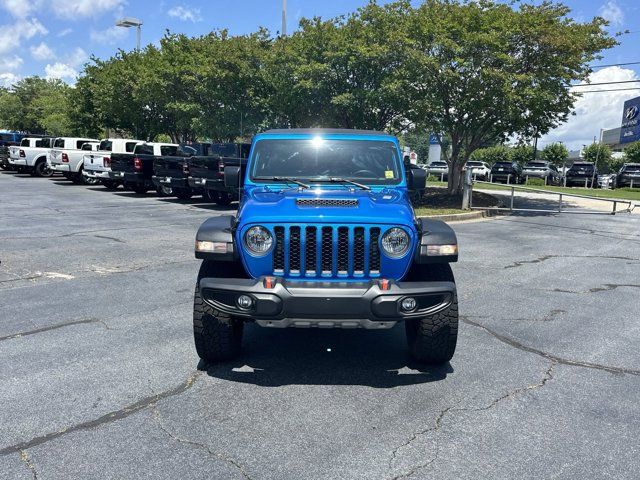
<point x="53" y="38"/>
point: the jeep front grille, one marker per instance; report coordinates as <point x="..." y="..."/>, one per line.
<point x="324" y="251"/>
<point x="326" y="202"/>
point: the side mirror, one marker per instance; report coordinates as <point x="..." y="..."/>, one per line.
<point x="416" y="178"/>
<point x="232" y="177"/>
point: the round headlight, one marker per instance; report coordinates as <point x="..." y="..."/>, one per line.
<point x="258" y="240"/>
<point x="395" y="242"/>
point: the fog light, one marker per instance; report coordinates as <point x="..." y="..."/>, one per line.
<point x="408" y="304"/>
<point x="245" y="302"/>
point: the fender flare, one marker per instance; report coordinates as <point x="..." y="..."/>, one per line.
<point x="219" y="229"/>
<point x="435" y="232"/>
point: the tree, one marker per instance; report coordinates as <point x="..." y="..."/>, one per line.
<point x="11" y="110"/>
<point x="555" y="153"/>
<point x="600" y="154"/>
<point x="632" y="153"/>
<point x="480" y="71"/>
<point x="491" y="155"/>
<point x="52" y="107"/>
<point x="522" y="154"/>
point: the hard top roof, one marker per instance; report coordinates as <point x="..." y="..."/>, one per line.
<point x="325" y="131"/>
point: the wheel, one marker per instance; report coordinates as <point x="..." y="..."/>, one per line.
<point x="109" y="184"/>
<point x="183" y="193"/>
<point x="433" y="339"/>
<point x="140" y="189"/>
<point x="210" y="195"/>
<point x="164" y="191"/>
<point x="224" y="199"/>
<point x="42" y="169"/>
<point x="217" y="336"/>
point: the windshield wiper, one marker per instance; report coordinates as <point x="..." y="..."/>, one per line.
<point x="284" y="179"/>
<point x="345" y="180"/>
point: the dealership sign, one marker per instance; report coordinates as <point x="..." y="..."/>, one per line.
<point x="630" y="131"/>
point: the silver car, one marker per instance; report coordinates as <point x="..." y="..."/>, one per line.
<point x="543" y="170"/>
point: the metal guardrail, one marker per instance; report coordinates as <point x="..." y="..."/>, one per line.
<point x="561" y="195"/>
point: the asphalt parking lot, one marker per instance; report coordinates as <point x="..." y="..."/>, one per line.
<point x="99" y="377"/>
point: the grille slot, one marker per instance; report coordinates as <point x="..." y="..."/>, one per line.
<point x="326" y="251"/>
<point x="278" y="253"/>
<point x="326" y="202"/>
<point x="314" y="251"/>
<point x="374" y="251"/>
<point x="294" y="250"/>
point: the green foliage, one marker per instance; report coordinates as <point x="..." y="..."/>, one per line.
<point x="11" y="110"/>
<point x="600" y="154"/>
<point x="522" y="154"/>
<point x="556" y="153"/>
<point x="433" y="178"/>
<point x="419" y="142"/>
<point x="491" y="155"/>
<point x="536" y="182"/>
<point x="478" y="71"/>
<point x="632" y="153"/>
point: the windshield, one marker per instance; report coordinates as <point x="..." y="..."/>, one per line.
<point x="581" y="166"/>
<point x="373" y="161"/>
<point x="474" y="164"/>
<point x="535" y="165"/>
<point x="632" y="168"/>
<point x="503" y="164"/>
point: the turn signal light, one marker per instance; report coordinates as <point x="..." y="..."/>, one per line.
<point x="137" y="164"/>
<point x="442" y="250"/>
<point x="269" y="282"/>
<point x="384" y="284"/>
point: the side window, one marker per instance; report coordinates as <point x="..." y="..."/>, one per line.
<point x="186" y="151"/>
<point x="79" y="144"/>
<point x="86" y="146"/>
<point x="59" y="143"/>
<point x="168" y="150"/>
<point x="25" y="142"/>
<point x="105" y="145"/>
<point x="143" y="149"/>
<point x="129" y="146"/>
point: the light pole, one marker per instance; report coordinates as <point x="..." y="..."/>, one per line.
<point x="128" y="22"/>
<point x="284" y="18"/>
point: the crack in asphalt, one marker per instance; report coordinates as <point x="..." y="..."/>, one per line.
<point x="83" y="321"/>
<point x="590" y="231"/>
<point x="24" y="456"/>
<point x="560" y="360"/>
<point x="548" y="375"/>
<point x="544" y="258"/>
<point x="604" y="288"/>
<point x="104" y="419"/>
<point x="221" y="456"/>
<point x="109" y="238"/>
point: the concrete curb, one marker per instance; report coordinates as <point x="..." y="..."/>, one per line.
<point x="463" y="217"/>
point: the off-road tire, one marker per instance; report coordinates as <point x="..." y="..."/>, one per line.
<point x="217" y="336"/>
<point x="41" y="169"/>
<point x="224" y="199"/>
<point x="433" y="339"/>
<point x="183" y="193"/>
<point x="109" y="184"/>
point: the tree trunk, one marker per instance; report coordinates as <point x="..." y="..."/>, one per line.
<point x="454" y="185"/>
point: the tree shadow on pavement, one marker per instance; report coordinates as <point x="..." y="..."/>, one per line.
<point x="273" y="358"/>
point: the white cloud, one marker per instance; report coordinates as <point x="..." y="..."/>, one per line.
<point x="84" y="8"/>
<point x="613" y="13"/>
<point x="64" y="32"/>
<point x="61" y="71"/>
<point x="77" y="57"/>
<point x="594" y="111"/>
<point x="11" y="63"/>
<point x="11" y="35"/>
<point x="185" y="13"/>
<point x="20" y="8"/>
<point x="8" y="79"/>
<point x="111" y="35"/>
<point x="42" y="52"/>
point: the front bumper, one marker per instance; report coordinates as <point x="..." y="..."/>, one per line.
<point x="625" y="181"/>
<point x="170" y="182"/>
<point x="326" y="304"/>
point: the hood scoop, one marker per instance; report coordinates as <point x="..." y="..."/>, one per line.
<point x="327" y="202"/>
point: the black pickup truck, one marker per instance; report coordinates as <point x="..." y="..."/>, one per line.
<point x="135" y="170"/>
<point x="207" y="172"/>
<point x="171" y="173"/>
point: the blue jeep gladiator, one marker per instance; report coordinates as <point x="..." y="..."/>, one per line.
<point x="325" y="236"/>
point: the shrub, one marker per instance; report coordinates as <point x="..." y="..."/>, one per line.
<point x="536" y="182"/>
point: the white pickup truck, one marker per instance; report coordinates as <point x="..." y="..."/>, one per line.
<point x="31" y="156"/>
<point x="67" y="157"/>
<point x="97" y="165"/>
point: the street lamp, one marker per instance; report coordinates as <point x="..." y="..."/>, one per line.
<point x="129" y="22"/>
<point x="284" y="18"/>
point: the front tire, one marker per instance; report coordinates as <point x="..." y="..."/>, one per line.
<point x="224" y="199"/>
<point x="42" y="169"/>
<point x="217" y="336"/>
<point x="433" y="339"/>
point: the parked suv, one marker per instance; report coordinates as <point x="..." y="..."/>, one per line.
<point x="581" y="174"/>
<point x="507" y="172"/>
<point x="479" y="170"/>
<point x="629" y="174"/>
<point x="325" y="236"/>
<point x="438" y="169"/>
<point x="544" y="170"/>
